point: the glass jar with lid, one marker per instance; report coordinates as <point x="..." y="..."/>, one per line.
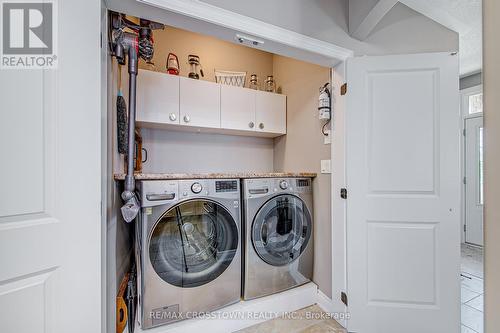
<point x="254" y="82"/>
<point x="270" y="85"/>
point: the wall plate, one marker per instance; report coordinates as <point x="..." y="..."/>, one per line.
<point x="326" y="166"/>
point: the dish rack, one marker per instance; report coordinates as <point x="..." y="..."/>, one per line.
<point x="230" y="78"/>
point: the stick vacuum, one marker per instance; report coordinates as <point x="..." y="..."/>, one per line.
<point x="135" y="44"/>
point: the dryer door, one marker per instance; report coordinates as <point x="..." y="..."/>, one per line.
<point x="193" y="243"/>
<point x="281" y="230"/>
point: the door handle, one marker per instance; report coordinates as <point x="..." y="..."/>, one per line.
<point x="160" y="197"/>
<point x="187" y="119"/>
<point x="261" y="125"/>
<point x="259" y="190"/>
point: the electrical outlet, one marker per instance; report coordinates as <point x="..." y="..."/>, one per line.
<point x="326" y="166"/>
<point x="328" y="137"/>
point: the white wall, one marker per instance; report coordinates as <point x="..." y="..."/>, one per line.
<point x="184" y="152"/>
<point x="402" y="30"/>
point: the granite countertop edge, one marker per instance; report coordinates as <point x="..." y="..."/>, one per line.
<point x="165" y="176"/>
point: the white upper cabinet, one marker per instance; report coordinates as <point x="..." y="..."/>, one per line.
<point x="237" y="108"/>
<point x="270" y="115"/>
<point x="199" y="103"/>
<point x="157" y="97"/>
<point x="170" y="101"/>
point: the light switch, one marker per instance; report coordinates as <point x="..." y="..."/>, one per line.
<point x="326" y="166"/>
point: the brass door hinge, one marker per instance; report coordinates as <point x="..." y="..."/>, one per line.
<point x="343" y="89"/>
<point x="343" y="298"/>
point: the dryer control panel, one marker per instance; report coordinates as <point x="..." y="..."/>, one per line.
<point x="267" y="186"/>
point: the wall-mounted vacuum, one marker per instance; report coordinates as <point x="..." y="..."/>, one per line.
<point x="135" y="41"/>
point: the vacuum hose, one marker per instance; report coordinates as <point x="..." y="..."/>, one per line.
<point x="131" y="207"/>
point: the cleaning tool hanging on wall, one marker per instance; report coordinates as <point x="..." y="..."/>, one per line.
<point x="131" y="45"/>
<point x="121" y="117"/>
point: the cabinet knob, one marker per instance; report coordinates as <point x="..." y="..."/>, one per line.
<point x="172" y="116"/>
<point x="251" y="124"/>
<point x="187" y="119"/>
<point x="261" y="125"/>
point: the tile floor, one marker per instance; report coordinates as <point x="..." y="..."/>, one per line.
<point x="472" y="289"/>
<point x="308" y="320"/>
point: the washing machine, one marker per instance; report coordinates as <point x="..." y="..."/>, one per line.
<point x="188" y="248"/>
<point x="278" y="235"/>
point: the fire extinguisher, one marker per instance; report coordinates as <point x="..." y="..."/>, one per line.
<point x="324" y="102"/>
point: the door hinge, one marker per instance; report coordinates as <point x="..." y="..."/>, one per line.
<point x="343" y="193"/>
<point x="343" y="298"/>
<point x="465" y="228"/>
<point x="463" y="132"/>
<point x="343" y="89"/>
<point x="465" y="180"/>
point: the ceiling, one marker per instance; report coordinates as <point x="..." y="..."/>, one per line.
<point x="462" y="16"/>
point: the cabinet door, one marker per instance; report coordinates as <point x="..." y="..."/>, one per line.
<point x="270" y="112"/>
<point x="199" y="103"/>
<point x="237" y="108"/>
<point x="157" y="97"/>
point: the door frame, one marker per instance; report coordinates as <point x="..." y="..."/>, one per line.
<point x="464" y="105"/>
<point x="291" y="44"/>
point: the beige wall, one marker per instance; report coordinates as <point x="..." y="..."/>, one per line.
<point x="491" y="77"/>
<point x="303" y="148"/>
<point x="214" y="54"/>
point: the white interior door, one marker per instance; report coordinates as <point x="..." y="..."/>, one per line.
<point x="50" y="221"/>
<point x="474" y="180"/>
<point x="403" y="180"/>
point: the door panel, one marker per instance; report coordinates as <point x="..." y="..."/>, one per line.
<point x="199" y="103"/>
<point x="157" y="97"/>
<point x="474" y="176"/>
<point x="50" y="219"/>
<point x="270" y="115"/>
<point x="403" y="227"/>
<point x="401" y="105"/>
<point x="237" y="108"/>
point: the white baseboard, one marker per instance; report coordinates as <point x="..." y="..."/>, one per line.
<point x="330" y="306"/>
<point x="260" y="309"/>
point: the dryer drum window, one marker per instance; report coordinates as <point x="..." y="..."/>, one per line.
<point x="281" y="230"/>
<point x="193" y="243"/>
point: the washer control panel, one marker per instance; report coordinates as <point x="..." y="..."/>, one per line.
<point x="226" y="186"/>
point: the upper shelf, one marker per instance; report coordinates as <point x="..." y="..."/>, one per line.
<point x="179" y="103"/>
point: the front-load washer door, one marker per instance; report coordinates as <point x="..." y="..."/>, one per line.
<point x="193" y="243"/>
<point x="281" y="230"/>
